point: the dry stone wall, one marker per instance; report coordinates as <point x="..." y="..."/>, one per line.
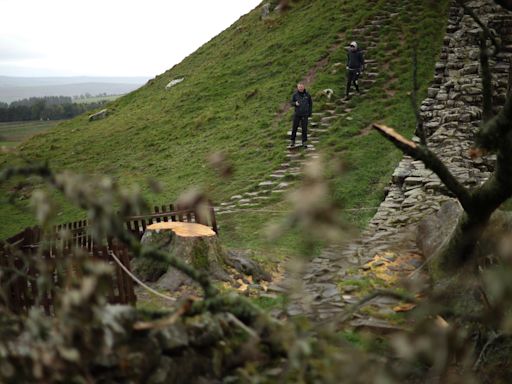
<point x="451" y="114"/>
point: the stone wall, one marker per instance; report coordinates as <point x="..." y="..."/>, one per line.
<point x="451" y="114"/>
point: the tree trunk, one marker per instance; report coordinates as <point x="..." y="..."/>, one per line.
<point x="196" y="244"/>
<point x="460" y="245"/>
<point x="450" y="238"/>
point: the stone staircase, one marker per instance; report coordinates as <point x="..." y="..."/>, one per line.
<point x="280" y="180"/>
<point x="451" y="113"/>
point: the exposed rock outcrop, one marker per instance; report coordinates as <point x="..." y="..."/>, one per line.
<point x="98" y="115"/>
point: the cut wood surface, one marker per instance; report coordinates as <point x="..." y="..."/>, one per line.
<point x="195" y="244"/>
<point x="183" y="229"/>
<point x="393" y="135"/>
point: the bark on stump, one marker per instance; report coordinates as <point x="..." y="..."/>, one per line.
<point x="196" y="244"/>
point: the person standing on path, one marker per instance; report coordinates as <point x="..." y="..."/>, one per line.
<point x="303" y="104"/>
<point x="355" y="66"/>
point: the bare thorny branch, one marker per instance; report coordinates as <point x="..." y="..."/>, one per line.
<point x="213" y="301"/>
<point x="485" y="54"/>
<point x="115" y="223"/>
<point x="420" y="129"/>
<point x="485" y="30"/>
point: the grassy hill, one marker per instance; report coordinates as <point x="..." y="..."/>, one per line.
<point x="234" y="86"/>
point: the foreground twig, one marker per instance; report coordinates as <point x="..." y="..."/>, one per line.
<point x="494" y="336"/>
<point x="114" y="222"/>
<point x="487" y="33"/>
<point x="420" y="129"/>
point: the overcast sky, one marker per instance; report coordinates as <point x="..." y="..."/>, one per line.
<point x="108" y="37"/>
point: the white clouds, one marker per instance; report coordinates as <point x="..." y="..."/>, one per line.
<point x="108" y="37"/>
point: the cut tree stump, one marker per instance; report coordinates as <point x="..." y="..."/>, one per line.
<point x="196" y="244"/>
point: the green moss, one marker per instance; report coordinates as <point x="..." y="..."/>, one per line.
<point x="269" y="303"/>
<point x="365" y="284"/>
<point x="199" y="255"/>
<point x="148" y="269"/>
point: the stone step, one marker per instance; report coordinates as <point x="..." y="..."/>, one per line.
<point x="248" y="205"/>
<point x="251" y="194"/>
<point x="366" y="82"/>
<point x="267" y="183"/>
<point x="326" y="119"/>
<point x="262" y="198"/>
<point x="293" y="155"/>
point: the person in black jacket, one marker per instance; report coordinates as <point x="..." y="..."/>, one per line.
<point x="355" y="66"/>
<point x="303" y="104"/>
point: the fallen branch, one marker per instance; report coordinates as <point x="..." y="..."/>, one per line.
<point x="166" y="321"/>
<point x="378" y="293"/>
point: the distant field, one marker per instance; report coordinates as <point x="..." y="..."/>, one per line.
<point x="96" y="99"/>
<point x="13" y="133"/>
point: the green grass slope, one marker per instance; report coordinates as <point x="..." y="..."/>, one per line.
<point x="234" y="86"/>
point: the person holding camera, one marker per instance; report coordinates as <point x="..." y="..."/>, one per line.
<point x="303" y="104"/>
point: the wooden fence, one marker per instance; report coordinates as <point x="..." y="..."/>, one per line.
<point x="137" y="224"/>
<point x="20" y="254"/>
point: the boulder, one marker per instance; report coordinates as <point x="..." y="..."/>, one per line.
<point x="174" y="82"/>
<point x="98" y="115"/>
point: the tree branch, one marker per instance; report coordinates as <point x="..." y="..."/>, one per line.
<point x="509" y="83"/>
<point x="430" y="160"/>
<point x="485" y="29"/>
<point x="487" y="113"/>
<point x="420" y="131"/>
<point x="507" y="4"/>
<point x="491" y="134"/>
<point x="493" y="337"/>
